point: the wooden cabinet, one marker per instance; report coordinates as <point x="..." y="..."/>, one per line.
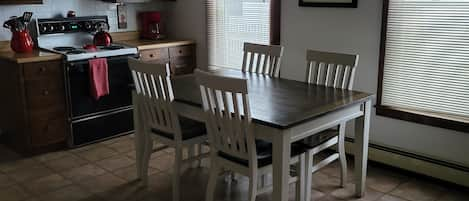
<point x="20" y="2"/>
<point x="33" y="98"/>
<point x="181" y="59"/>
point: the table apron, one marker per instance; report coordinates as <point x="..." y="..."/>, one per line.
<point x="325" y="122"/>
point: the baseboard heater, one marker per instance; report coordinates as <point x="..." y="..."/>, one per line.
<point x="439" y="169"/>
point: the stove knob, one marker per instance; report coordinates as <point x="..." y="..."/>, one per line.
<point x="61" y="27"/>
<point x="50" y="28"/>
<point x="42" y="28"/>
<point x="88" y="26"/>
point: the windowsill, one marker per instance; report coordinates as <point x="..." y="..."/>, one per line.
<point x="427" y="118"/>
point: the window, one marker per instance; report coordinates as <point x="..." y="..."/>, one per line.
<point x="233" y="22"/>
<point x="424" y="64"/>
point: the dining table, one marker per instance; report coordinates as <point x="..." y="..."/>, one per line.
<point x="283" y="112"/>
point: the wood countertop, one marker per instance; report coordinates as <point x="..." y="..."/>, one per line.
<point x="143" y="44"/>
<point x="35" y="56"/>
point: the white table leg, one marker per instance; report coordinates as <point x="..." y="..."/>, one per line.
<point x="139" y="137"/>
<point x="281" y="165"/>
<point x="362" y="129"/>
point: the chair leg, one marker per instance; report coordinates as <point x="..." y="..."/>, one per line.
<point x="147" y="151"/>
<point x="342" y="156"/>
<point x="177" y="173"/>
<point x="301" y="174"/>
<point x="212" y="181"/>
<point x="308" y="174"/>
<point x="263" y="182"/>
<point x="253" y="186"/>
<point x="200" y="152"/>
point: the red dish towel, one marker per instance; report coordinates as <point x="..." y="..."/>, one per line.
<point x="99" y="81"/>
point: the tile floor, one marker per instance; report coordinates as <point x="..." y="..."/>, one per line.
<point x="106" y="172"/>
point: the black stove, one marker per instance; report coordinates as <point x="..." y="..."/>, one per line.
<point x="64" y="48"/>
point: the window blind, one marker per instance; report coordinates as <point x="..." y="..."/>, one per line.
<point x="426" y="63"/>
<point x="230" y="24"/>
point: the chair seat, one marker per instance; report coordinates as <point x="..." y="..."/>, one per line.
<point x="189" y="128"/>
<point x="264" y="154"/>
<point x="318" y="139"/>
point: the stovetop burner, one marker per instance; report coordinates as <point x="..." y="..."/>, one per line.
<point x="64" y="48"/>
<point x="112" y="47"/>
<point x="75" y="52"/>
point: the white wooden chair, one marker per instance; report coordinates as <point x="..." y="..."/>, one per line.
<point x="331" y="70"/>
<point x="161" y="122"/>
<point x="232" y="142"/>
<point x="264" y="59"/>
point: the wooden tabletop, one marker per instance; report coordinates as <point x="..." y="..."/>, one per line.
<point x="275" y="102"/>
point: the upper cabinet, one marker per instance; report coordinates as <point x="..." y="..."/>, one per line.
<point x="20" y="1"/>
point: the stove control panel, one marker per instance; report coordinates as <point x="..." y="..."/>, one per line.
<point x="69" y="25"/>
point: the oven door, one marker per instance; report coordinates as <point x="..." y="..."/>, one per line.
<point x="81" y="102"/>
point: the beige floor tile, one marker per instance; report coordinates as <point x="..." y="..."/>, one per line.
<point x="384" y="180"/>
<point x="46" y="184"/>
<point x="125" y="192"/>
<point x="69" y="193"/>
<point x="455" y="196"/>
<point x="98" y="153"/>
<point x="162" y="163"/>
<point x="418" y="191"/>
<point x="123" y="146"/>
<point x="390" y="198"/>
<point x="130" y="173"/>
<point x="348" y="193"/>
<point x="84" y="172"/>
<point x="13" y="193"/>
<point x="65" y="163"/>
<point x="52" y="156"/>
<point x="115" y="163"/>
<point x="325" y="183"/>
<point x="30" y="173"/>
<point x="87" y="147"/>
<point x="17" y="164"/>
<point x="5" y="180"/>
<point x="102" y="184"/>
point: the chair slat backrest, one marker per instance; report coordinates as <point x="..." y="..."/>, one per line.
<point x="263" y="59"/>
<point x="226" y="103"/>
<point x="155" y="96"/>
<point x="331" y="69"/>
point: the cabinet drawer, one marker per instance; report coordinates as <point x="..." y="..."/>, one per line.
<point x="48" y="128"/>
<point x="43" y="70"/>
<point x="155" y="54"/>
<point x="182" y="65"/>
<point x="181" y="51"/>
<point x="45" y="94"/>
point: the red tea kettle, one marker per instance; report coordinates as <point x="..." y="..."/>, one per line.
<point x="102" y="37"/>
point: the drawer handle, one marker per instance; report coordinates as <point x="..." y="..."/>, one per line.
<point x="180" y="51"/>
<point x="42" y="69"/>
<point x="151" y="55"/>
<point x="45" y="92"/>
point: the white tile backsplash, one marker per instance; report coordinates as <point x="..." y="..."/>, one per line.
<point x="53" y="8"/>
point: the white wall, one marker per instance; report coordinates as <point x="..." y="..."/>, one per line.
<point x="186" y="20"/>
<point x="342" y="30"/>
<point x="53" y="8"/>
<point x="357" y="31"/>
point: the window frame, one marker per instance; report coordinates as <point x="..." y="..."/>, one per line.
<point x="425" y="118"/>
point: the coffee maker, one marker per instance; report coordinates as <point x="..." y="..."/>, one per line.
<point x="151" y="26"/>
